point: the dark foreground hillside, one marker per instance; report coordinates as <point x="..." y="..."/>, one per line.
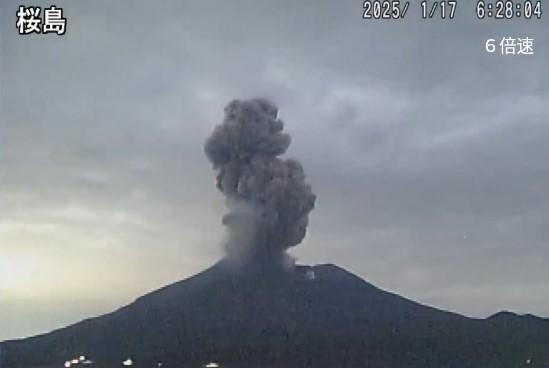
<point x="321" y="316"/>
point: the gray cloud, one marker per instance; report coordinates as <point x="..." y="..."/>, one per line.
<point x="268" y="198"/>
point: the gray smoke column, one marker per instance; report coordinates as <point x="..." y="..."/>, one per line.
<point x="268" y="199"/>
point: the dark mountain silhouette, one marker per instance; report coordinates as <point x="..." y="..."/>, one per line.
<point x="321" y="316"/>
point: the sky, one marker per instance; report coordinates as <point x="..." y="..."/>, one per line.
<point x="428" y="155"/>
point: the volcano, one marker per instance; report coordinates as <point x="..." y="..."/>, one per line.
<point x="311" y="316"/>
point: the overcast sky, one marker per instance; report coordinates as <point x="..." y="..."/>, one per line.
<point x="428" y="155"/>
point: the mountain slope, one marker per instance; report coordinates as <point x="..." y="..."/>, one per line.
<point x="280" y="319"/>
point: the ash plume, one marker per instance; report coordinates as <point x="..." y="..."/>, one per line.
<point x="267" y="197"/>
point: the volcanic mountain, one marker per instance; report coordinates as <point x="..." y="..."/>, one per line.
<point x="319" y="316"/>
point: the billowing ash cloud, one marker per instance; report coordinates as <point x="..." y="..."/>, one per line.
<point x="268" y="198"/>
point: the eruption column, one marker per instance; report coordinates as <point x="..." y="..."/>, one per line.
<point x="268" y="199"/>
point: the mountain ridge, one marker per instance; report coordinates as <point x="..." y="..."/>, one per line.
<point x="316" y="316"/>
